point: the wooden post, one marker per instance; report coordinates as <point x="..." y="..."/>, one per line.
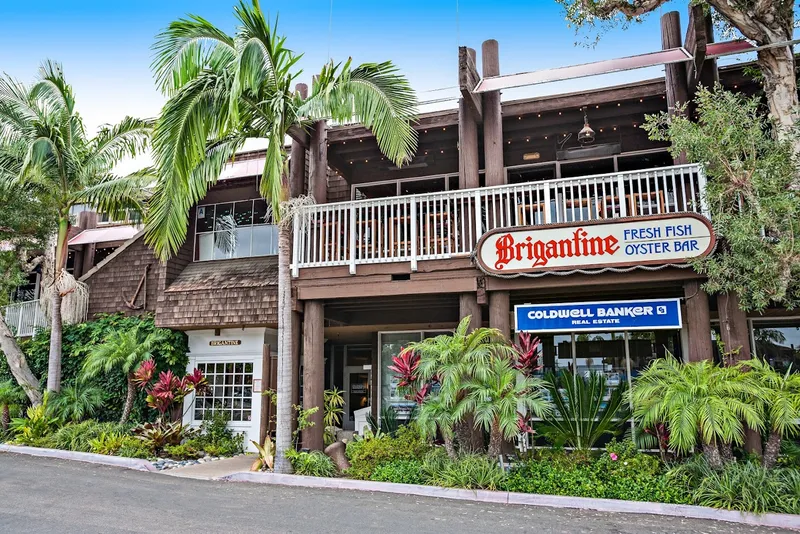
<point x="319" y="162"/>
<point x="297" y="344"/>
<point x="468" y="305"/>
<point x="297" y="167"/>
<point x="266" y="401"/>
<point x="733" y="327"/>
<point x="468" y="157"/>
<point x="314" y="371"/>
<point x="675" y="73"/>
<point x="492" y="117"/>
<point x="698" y="322"/>
<point x="499" y="312"/>
<point x="87" y="220"/>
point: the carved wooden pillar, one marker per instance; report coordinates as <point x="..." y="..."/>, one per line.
<point x="697" y="322"/>
<point x="314" y="371"/>
<point x="492" y="117"/>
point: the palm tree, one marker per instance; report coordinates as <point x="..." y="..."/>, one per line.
<point x="778" y="397"/>
<point x="10" y="395"/>
<point x="436" y="414"/>
<point x="496" y="400"/>
<point x="44" y="147"/>
<point x="124" y="350"/>
<point x="451" y="359"/>
<point x="582" y="413"/>
<point x="77" y="401"/>
<point x="692" y="399"/>
<point x="225" y="89"/>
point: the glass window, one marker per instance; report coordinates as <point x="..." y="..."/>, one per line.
<point x="236" y="401"/>
<point x="235" y="230"/>
<point x="778" y="342"/>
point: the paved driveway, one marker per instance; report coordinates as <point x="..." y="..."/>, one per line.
<point x="47" y="495"/>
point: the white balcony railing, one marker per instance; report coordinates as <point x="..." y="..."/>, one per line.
<point x="449" y="223"/>
<point x="24" y="318"/>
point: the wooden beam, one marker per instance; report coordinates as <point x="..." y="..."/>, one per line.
<point x="299" y="135"/>
<point x="733" y="327"/>
<point x="468" y="306"/>
<point x="314" y="372"/>
<point x="545" y="283"/>
<point x="674" y="73"/>
<point x="500" y="312"/>
<point x="699" y="34"/>
<point x="492" y="117"/>
<point x="297" y="349"/>
<point x="468" y="78"/>
<point x="318" y="183"/>
<point x="697" y="323"/>
<point x="357" y="289"/>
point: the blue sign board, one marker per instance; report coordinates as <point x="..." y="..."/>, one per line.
<point x="654" y="314"/>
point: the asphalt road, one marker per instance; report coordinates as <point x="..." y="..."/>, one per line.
<point x="47" y="495"/>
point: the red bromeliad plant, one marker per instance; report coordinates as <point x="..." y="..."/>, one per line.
<point x="405" y="368"/>
<point x="168" y="390"/>
<point x="526" y="354"/>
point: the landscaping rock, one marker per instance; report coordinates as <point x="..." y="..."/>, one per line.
<point x="336" y="453"/>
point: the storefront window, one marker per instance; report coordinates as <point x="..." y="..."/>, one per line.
<point x="230" y="391"/>
<point x="235" y="230"/>
<point x="778" y="342"/>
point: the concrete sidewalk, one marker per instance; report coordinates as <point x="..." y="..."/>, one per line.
<point x="215" y="469"/>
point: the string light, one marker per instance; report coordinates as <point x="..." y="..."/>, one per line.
<point x="425" y="131"/>
<point x="527" y="139"/>
<point x="360" y="140"/>
<point x="519" y="118"/>
<point x="539" y="115"/>
<point x="545" y="137"/>
<point x="618" y="104"/>
<point x="441" y="151"/>
<point x="445" y="128"/>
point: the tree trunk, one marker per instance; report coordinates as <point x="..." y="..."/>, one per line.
<point x="726" y="452"/>
<point x="129" y="399"/>
<point x="18" y="365"/>
<point x="56" y="329"/>
<point x="463" y="430"/>
<point x="5" y="417"/>
<point x="780" y="85"/>
<point x="449" y="447"/>
<point x="283" y="423"/>
<point x="711" y="452"/>
<point x="772" y="450"/>
<point x="495" y="439"/>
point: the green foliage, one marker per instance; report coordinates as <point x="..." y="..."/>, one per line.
<point x="135" y="448"/>
<point x="80" y="339"/>
<point x="77" y="402"/>
<point x="399" y="472"/>
<point x="185" y="451"/>
<point x="618" y="473"/>
<point x="161" y="433"/>
<point x="367" y="454"/>
<point x="37" y="424"/>
<point x="77" y="436"/>
<point x="108" y="442"/>
<point x="313" y="463"/>
<point x="754" y="207"/>
<point x="334" y="402"/>
<point x="582" y="413"/>
<point x="470" y="471"/>
<point x="216" y="439"/>
<point x="387" y="423"/>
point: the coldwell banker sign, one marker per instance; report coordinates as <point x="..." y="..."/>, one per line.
<point x="657" y="314"/>
<point x="621" y="244"/>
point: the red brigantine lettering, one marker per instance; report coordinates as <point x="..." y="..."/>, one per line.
<point x="541" y="252"/>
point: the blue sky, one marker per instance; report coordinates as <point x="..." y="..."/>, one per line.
<point x="105" y="45"/>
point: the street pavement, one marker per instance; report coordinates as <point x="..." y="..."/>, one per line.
<point x="53" y="496"/>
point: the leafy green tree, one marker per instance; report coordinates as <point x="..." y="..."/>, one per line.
<point x="755" y="210"/>
<point x="496" y="399"/>
<point x="77" y="401"/>
<point x="124" y="350"/>
<point x="778" y="396"/>
<point x="45" y="149"/>
<point x="696" y="399"/>
<point x="225" y="89"/>
<point x="582" y="412"/>
<point x="765" y="22"/>
<point x="10" y="395"/>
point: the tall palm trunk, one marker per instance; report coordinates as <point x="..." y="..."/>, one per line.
<point x="129" y="400"/>
<point x="711" y="452"/>
<point x="283" y="423"/>
<point x="56" y="324"/>
<point x="772" y="449"/>
<point x="18" y="364"/>
<point x="495" y="439"/>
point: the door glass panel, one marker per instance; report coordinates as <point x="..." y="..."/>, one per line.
<point x="391" y="345"/>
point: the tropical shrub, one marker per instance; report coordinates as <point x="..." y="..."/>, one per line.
<point x="135" y="448"/>
<point x="313" y="463"/>
<point x="185" y="451"/>
<point x="386" y="424"/>
<point x="160" y="434"/>
<point x="399" y="472"/>
<point x="108" y="443"/>
<point x="77" y="436"/>
<point x="216" y="439"/>
<point x="470" y="471"/>
<point x="80" y="339"/>
<point x="37" y="425"/>
<point x="367" y="454"/>
<point x="11" y="396"/>
<point x="77" y="401"/>
<point x="582" y="414"/>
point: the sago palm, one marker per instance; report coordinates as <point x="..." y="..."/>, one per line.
<point x="10" y="395"/>
<point x="44" y="147"/>
<point x="125" y="351"/>
<point x="696" y="399"/>
<point x="224" y="89"/>
<point x="778" y="396"/>
<point x="497" y="399"/>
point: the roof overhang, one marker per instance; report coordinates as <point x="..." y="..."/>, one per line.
<point x="106" y="234"/>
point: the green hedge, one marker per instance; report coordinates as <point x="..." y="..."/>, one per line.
<point x="79" y="339"/>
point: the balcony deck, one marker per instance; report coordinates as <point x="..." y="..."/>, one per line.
<point x="448" y="224"/>
<point x="25" y="318"/>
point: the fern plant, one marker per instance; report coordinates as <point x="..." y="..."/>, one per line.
<point x="77" y="402"/>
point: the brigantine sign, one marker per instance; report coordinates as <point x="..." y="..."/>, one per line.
<point x="621" y="244"/>
<point x="224" y="342"/>
<point x="653" y="314"/>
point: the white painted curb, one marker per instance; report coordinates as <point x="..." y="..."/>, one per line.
<point x="118" y="461"/>
<point x="787" y="521"/>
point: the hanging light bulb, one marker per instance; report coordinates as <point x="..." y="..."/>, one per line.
<point x="586" y="135"/>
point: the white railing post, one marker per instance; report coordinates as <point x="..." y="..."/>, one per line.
<point x="478" y="217"/>
<point x="548" y="217"/>
<point x="701" y="191"/>
<point x="296" y="252"/>
<point x="623" y="201"/>
<point x="352" y="239"/>
<point x="20" y="309"/>
<point x="414" y="229"/>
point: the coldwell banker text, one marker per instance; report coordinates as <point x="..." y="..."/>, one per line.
<point x="596" y="315"/>
<point x="599" y="316"/>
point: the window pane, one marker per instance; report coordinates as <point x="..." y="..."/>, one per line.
<point x="261" y="212"/>
<point x="265" y="240"/>
<point x="391" y="345"/>
<point x="205" y="218"/>
<point x="242" y="245"/>
<point x="223" y="244"/>
<point x="243" y="213"/>
<point x="204" y="247"/>
<point x="778" y="343"/>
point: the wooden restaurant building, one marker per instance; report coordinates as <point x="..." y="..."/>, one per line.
<point x="555" y="215"/>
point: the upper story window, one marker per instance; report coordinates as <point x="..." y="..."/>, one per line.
<point x="235" y="230"/>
